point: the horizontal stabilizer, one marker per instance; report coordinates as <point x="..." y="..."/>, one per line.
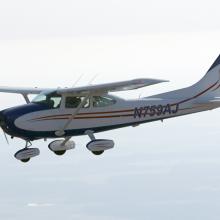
<point x="207" y="102"/>
<point x="215" y="100"/>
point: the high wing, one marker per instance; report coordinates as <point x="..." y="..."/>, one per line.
<point x="100" y="88"/>
<point x="111" y="87"/>
<point x="21" y="90"/>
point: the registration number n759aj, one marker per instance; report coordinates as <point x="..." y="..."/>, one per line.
<point x="155" y="110"/>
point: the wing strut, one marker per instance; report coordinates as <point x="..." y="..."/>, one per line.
<point x="61" y="132"/>
<point x="26" y="98"/>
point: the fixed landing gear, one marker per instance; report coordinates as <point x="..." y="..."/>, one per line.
<point x="25" y="154"/>
<point x="59" y="147"/>
<point x="98" y="146"/>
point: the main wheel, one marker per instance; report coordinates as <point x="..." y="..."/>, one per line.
<point x="97" y="153"/>
<point x="60" y="153"/>
<point x="25" y="160"/>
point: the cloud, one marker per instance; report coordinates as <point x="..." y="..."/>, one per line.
<point x="39" y="205"/>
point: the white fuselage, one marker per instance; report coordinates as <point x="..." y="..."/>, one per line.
<point x="122" y="113"/>
<point x="35" y="121"/>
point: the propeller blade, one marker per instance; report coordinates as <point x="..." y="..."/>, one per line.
<point x="6" y="138"/>
<point x="2" y="123"/>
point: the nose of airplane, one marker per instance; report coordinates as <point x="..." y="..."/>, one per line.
<point x="2" y="119"/>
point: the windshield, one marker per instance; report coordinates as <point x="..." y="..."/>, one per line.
<point x="50" y="99"/>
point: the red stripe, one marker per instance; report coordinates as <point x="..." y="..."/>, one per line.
<point x="196" y="96"/>
<point x="90" y="113"/>
<point x="216" y="88"/>
<point x="94" y="117"/>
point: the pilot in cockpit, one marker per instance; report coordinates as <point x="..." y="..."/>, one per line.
<point x="73" y="102"/>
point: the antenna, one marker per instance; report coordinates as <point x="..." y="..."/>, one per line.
<point x="93" y="78"/>
<point x="79" y="78"/>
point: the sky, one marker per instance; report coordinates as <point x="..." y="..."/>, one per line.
<point x="156" y="171"/>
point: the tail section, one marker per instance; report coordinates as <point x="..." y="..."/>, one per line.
<point x="208" y="88"/>
<point x="211" y="81"/>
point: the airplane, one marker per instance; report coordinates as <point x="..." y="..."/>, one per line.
<point x="62" y="113"/>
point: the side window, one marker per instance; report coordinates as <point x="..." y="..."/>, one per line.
<point x="56" y="101"/>
<point x="100" y="101"/>
<point x="74" y="101"/>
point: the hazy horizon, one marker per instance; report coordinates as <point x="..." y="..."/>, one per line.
<point x="156" y="171"/>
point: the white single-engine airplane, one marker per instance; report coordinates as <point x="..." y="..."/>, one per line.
<point x="64" y="113"/>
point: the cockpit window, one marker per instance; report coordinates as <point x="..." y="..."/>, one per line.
<point x="74" y="101"/>
<point x="50" y="99"/>
<point x="101" y="101"/>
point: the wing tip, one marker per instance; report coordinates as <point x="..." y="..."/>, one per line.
<point x="153" y="80"/>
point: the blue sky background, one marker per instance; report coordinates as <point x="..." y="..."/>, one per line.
<point x="157" y="171"/>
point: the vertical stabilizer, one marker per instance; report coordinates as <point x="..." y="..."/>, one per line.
<point x="209" y="85"/>
<point x="211" y="80"/>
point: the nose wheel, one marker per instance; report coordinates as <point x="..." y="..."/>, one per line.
<point x="25" y="154"/>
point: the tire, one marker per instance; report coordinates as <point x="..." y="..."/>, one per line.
<point x="60" y="153"/>
<point x="97" y="153"/>
<point x="25" y="160"/>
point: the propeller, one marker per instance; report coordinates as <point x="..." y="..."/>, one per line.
<point x="2" y="123"/>
<point x="6" y="138"/>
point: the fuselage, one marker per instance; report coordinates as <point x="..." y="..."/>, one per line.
<point x="36" y="120"/>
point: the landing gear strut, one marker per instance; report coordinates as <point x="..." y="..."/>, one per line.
<point x="25" y="154"/>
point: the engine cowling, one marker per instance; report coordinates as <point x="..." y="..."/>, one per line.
<point x="100" y="145"/>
